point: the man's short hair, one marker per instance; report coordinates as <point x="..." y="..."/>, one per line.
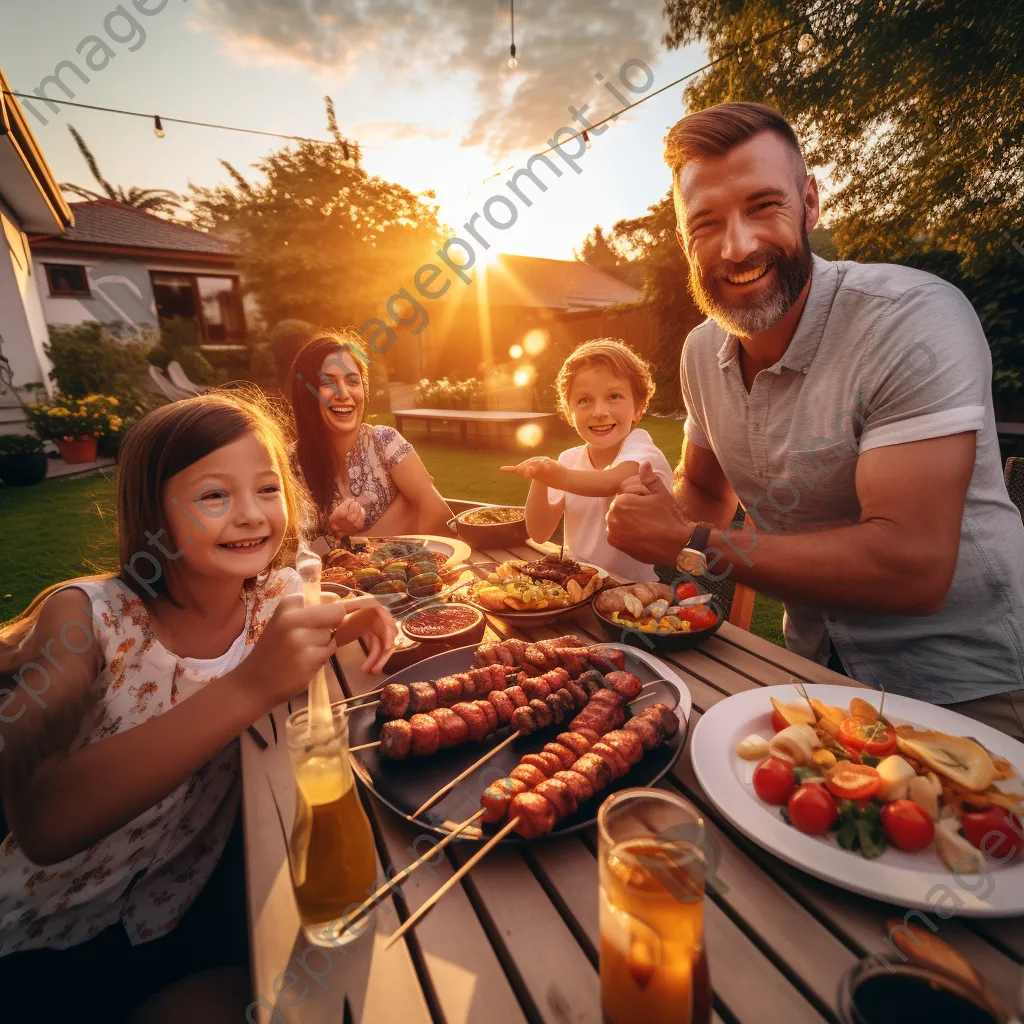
<point x="716" y="130"/>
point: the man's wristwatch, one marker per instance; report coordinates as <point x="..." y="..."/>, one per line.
<point x="693" y="558"/>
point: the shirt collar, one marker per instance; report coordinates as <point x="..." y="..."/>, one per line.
<point x="809" y="331"/>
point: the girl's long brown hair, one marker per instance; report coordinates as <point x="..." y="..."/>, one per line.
<point x="313" y="450"/>
<point x="161" y="444"/>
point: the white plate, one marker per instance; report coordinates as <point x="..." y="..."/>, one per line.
<point x="919" y="880"/>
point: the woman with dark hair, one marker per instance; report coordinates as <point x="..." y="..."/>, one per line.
<point x="363" y="478"/>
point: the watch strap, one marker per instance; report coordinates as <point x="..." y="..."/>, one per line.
<point x="699" y="538"/>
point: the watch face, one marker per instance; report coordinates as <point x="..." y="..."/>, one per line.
<point x="692" y="561"/>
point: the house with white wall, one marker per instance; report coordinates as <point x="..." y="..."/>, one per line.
<point x="30" y="203"/>
<point x="120" y="264"/>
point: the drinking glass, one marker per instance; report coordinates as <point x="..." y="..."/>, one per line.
<point x="652" y="868"/>
<point x="331" y="850"/>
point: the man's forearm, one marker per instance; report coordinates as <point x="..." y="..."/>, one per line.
<point x="872" y="567"/>
<point x="700" y="506"/>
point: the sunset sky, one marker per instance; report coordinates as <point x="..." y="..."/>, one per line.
<point x="422" y="86"/>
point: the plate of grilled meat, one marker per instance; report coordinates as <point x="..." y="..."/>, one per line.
<point x="564" y="720"/>
<point x="533" y="593"/>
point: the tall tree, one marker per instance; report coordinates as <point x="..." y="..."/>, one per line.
<point x="149" y="200"/>
<point x="322" y="240"/>
<point x="915" y="109"/>
<point x="601" y="253"/>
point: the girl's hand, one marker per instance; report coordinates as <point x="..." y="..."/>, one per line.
<point x="549" y="472"/>
<point x="347" y="518"/>
<point x="296" y="642"/>
<point x="377" y="629"/>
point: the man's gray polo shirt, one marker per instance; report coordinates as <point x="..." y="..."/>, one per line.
<point x="882" y="355"/>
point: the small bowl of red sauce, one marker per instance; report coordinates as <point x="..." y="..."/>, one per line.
<point x="451" y="625"/>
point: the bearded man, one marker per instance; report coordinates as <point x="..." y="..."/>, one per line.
<point x="849" y="408"/>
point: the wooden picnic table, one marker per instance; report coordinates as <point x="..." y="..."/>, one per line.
<point x="517" y="941"/>
<point x="463" y="417"/>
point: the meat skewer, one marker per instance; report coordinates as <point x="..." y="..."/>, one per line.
<point x="535" y="812"/>
<point x="628" y="689"/>
<point x="402" y="700"/>
<point x="513" y="652"/>
<point x="554" y="697"/>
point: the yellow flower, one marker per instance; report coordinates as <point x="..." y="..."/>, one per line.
<point x="115" y="423"/>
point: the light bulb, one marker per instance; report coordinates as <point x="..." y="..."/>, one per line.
<point x="512" y="63"/>
<point x="158" y="128"/>
<point x="586" y="139"/>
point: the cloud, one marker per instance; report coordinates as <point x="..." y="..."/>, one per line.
<point x="561" y="44"/>
<point x="397" y="130"/>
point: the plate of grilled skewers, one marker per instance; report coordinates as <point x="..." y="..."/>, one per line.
<point x="521" y="726"/>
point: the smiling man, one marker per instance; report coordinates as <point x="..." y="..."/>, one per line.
<point x="848" y="407"/>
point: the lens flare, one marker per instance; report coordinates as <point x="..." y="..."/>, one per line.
<point x="529" y="435"/>
<point x="523" y="376"/>
<point x="516" y="352"/>
<point x="535" y="342"/>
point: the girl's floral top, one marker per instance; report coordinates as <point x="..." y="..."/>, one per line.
<point x="378" y="449"/>
<point x="148" y="873"/>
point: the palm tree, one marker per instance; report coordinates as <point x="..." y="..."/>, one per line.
<point x="149" y="200"/>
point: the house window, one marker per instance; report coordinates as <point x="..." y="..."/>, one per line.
<point x="67" y="282"/>
<point x="213" y="304"/>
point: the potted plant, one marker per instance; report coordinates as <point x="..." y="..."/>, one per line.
<point x="76" y="424"/>
<point x="22" y="460"/>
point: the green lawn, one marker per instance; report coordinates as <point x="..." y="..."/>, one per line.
<point x="64" y="528"/>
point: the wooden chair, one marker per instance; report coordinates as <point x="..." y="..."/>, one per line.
<point x="1013" y="475"/>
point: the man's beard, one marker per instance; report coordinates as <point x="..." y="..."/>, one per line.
<point x="755" y="314"/>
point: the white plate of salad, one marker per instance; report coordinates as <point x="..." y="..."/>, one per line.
<point x="883" y="795"/>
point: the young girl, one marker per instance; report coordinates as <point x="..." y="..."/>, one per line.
<point x="125" y="696"/>
<point x="604" y="388"/>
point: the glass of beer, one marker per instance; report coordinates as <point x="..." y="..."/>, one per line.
<point x="651" y="862"/>
<point x="331" y="852"/>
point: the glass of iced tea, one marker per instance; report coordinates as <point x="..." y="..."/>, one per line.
<point x="651" y="862"/>
<point x="331" y="850"/>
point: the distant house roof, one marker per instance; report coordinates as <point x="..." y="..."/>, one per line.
<point x="565" y="285"/>
<point x="103" y="224"/>
<point x="27" y="184"/>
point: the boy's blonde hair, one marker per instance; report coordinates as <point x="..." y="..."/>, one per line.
<point x="614" y="355"/>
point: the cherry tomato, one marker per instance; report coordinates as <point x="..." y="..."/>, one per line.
<point x="705" y="619"/>
<point x="686" y="590"/>
<point x="853" y="781"/>
<point x="907" y="825"/>
<point x="860" y="735"/>
<point x="774" y="780"/>
<point x="811" y="809"/>
<point x="1005" y="836"/>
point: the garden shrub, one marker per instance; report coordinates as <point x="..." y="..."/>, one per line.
<point x="90" y="358"/>
<point x="286" y="338"/>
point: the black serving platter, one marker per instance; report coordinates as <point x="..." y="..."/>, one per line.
<point x="404" y="786"/>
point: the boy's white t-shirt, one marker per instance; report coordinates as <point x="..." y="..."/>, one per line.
<point x="586" y="531"/>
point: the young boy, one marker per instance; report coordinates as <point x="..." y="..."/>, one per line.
<point x="604" y="388"/>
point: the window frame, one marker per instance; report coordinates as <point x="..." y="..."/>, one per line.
<point x="197" y="300"/>
<point x="54" y="294"/>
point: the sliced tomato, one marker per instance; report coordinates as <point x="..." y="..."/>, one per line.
<point x="907" y="825"/>
<point x="853" y="781"/>
<point x="685" y="591"/>
<point x="995" y="832"/>
<point x="778" y="722"/>
<point x="811" y="809"/>
<point x="863" y="736"/>
<point x="774" y="780"/>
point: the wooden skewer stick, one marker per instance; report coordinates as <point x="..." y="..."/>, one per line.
<point x="464" y="870"/>
<point x="364" y="746"/>
<point x="418" y="863"/>
<point x="359" y="696"/>
<point x="359" y="707"/>
<point x="458" y="778"/>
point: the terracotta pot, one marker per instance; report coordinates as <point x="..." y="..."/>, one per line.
<point x="76" y="450"/>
